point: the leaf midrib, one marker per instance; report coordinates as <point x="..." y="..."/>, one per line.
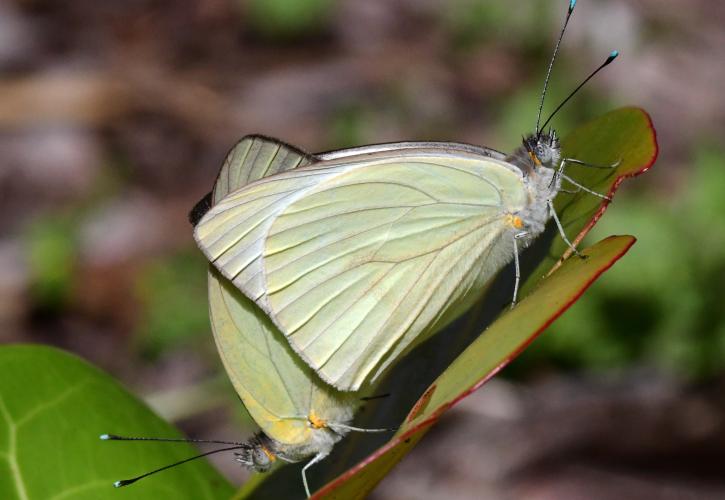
<point x="12" y="453"/>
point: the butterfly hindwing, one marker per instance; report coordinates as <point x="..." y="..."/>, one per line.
<point x="255" y="157"/>
<point x="277" y="388"/>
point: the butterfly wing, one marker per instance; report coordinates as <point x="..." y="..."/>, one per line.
<point x="445" y="147"/>
<point x="255" y="157"/>
<point x="358" y="258"/>
<point x="277" y="388"/>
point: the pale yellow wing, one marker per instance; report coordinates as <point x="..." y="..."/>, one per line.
<point x="278" y="389"/>
<point x="255" y="157"/>
<point x="356" y="259"/>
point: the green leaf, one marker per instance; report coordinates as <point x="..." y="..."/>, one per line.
<point x="53" y="408"/>
<point x="626" y="136"/>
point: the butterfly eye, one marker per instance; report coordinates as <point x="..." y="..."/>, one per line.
<point x="543" y="153"/>
<point x="262" y="460"/>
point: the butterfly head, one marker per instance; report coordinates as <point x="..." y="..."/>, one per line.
<point x="544" y="149"/>
<point x="257" y="454"/>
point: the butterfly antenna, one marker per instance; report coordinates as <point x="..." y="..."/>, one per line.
<point x="114" y="437"/>
<point x="572" y="3"/>
<point x="126" y="482"/>
<point x="612" y="56"/>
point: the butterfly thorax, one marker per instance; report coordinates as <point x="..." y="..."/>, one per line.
<point x="538" y="158"/>
<point x="321" y="442"/>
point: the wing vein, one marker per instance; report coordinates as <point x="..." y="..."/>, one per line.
<point x="357" y="211"/>
<point x="380" y="261"/>
<point x="271" y="161"/>
<point x="242" y="222"/>
<point x="416" y="314"/>
<point x="226" y="297"/>
<point x="308" y="271"/>
<point x="402" y="297"/>
<point x="384" y="183"/>
<point x="338" y="316"/>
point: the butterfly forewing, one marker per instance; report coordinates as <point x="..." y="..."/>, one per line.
<point x="353" y="258"/>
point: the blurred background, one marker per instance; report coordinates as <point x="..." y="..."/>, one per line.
<point x="115" y="117"/>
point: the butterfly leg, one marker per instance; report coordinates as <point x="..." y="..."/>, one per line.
<point x="591" y="165"/>
<point x="517" y="268"/>
<point x="559" y="172"/>
<point x="561" y="230"/>
<point x="350" y="428"/>
<point x="583" y="188"/>
<point x="564" y="161"/>
<point x="316" y="459"/>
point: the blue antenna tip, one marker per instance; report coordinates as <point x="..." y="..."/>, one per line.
<point x="104" y="437"/>
<point x="572" y="3"/>
<point x="613" y="54"/>
<point x="117" y="484"/>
